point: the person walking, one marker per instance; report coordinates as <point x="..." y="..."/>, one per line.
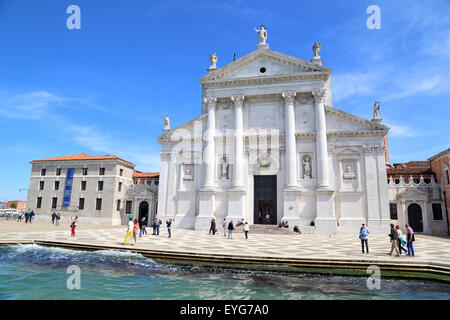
<point x="129" y="232"/>
<point x="212" y="227"/>
<point x="58" y="217"/>
<point x="409" y="240"/>
<point x="224" y="225"/>
<point x="400" y="241"/>
<point x="31" y="216"/>
<point x="20" y="217"/>
<point x="53" y="217"/>
<point x="154" y="226"/>
<point x="169" y="227"/>
<point x="158" y="224"/>
<point x="142" y="227"/>
<point x="364" y="236"/>
<point x="394" y="237"/>
<point x="246" y="229"/>
<point x="135" y="228"/>
<point x="27" y="216"/>
<point x="73" y="225"/>
<point x="230" y="230"/>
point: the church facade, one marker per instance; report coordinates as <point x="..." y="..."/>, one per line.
<point x="269" y="146"/>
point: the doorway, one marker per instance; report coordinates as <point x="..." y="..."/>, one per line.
<point x="143" y="212"/>
<point x="415" y="217"/>
<point x="265" y="199"/>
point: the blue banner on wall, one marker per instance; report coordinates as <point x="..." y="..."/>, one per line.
<point x="68" y="187"/>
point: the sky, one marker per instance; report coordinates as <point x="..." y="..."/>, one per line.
<point x="105" y="88"/>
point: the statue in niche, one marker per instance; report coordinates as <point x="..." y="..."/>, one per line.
<point x="213" y="59"/>
<point x="166" y="122"/>
<point x="307" y="168"/>
<point x="262" y="35"/>
<point x="188" y="173"/>
<point x="224" y="171"/>
<point x="349" y="173"/>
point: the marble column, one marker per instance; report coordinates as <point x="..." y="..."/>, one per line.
<point x="209" y="157"/>
<point x="291" y="150"/>
<point x="238" y="142"/>
<point x="236" y="195"/>
<point x="206" y="195"/>
<point x="325" y="218"/>
<point x="321" y="140"/>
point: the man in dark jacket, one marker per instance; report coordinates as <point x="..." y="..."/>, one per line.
<point x="230" y="230"/>
<point x="394" y="237"/>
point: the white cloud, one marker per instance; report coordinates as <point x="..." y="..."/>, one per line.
<point x="145" y="157"/>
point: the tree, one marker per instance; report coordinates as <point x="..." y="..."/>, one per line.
<point x="13" y="206"/>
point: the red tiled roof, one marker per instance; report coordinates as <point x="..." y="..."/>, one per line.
<point x="82" y="156"/>
<point x="411" y="167"/>
<point x="139" y="174"/>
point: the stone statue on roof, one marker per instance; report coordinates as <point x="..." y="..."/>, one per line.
<point x="213" y="58"/>
<point x="316" y="48"/>
<point x="166" y="122"/>
<point x="262" y="35"/>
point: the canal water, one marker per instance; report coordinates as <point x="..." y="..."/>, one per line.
<point x="35" y="272"/>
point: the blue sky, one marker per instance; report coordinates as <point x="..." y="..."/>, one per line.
<point x="104" y="89"/>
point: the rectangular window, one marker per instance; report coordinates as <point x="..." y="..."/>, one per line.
<point x="85" y="171"/>
<point x="120" y="186"/>
<point x="118" y="205"/>
<point x="101" y="171"/>
<point x="41" y="185"/>
<point x="121" y="172"/>
<point x="39" y="202"/>
<point x="100" y="186"/>
<point x="437" y="211"/>
<point x="58" y="171"/>
<point x="83" y="185"/>
<point x="128" y="207"/>
<point x="43" y="171"/>
<point x="447" y="178"/>
<point x="98" y="204"/>
<point x="54" y="202"/>
<point x="56" y="185"/>
<point x="81" y="204"/>
<point x="393" y="211"/>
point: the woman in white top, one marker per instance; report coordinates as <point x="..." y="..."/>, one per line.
<point x="400" y="240"/>
<point x="246" y="229"/>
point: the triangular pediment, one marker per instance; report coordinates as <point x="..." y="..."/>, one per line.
<point x="341" y="121"/>
<point x="274" y="64"/>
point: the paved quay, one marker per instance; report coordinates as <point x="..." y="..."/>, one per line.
<point x="285" y="248"/>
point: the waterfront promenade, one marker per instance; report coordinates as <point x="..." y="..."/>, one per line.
<point x="284" y="248"/>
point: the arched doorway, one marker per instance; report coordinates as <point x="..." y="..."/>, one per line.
<point x="415" y="217"/>
<point x="143" y="211"/>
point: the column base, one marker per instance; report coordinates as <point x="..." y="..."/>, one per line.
<point x="206" y="209"/>
<point x="203" y="223"/>
<point x="236" y="204"/>
<point x="325" y="226"/>
<point x="379" y="226"/>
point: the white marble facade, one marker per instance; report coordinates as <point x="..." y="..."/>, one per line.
<point x="270" y="114"/>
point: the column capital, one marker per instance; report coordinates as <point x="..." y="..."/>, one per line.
<point x="210" y="101"/>
<point x="238" y="99"/>
<point x="289" y="96"/>
<point x="319" y="95"/>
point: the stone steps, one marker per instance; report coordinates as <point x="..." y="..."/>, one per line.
<point x="267" y="229"/>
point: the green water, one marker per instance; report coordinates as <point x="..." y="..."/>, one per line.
<point x="34" y="272"/>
